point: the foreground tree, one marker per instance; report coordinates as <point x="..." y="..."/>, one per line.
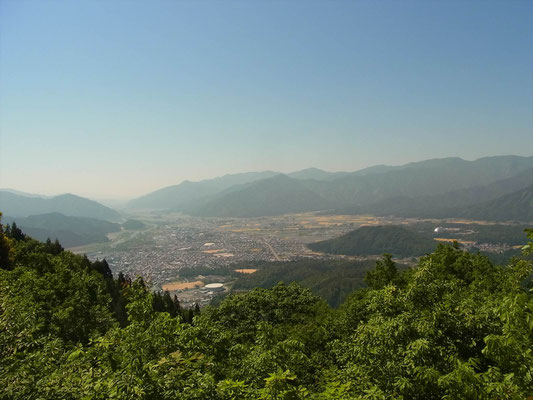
<point x="454" y="327"/>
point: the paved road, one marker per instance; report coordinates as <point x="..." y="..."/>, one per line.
<point x="271" y="250"/>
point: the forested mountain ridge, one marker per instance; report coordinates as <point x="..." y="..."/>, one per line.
<point x="456" y="326"/>
<point x="16" y="205"/>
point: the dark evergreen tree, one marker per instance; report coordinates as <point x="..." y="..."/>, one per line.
<point x="103" y="268"/>
<point x="177" y="305"/>
<point x="57" y="247"/>
<point x="123" y="281"/>
<point x="15" y="233"/>
<point x="158" y="304"/>
<point x="54" y="248"/>
<point x="5" y="262"/>
<point x="169" y="304"/>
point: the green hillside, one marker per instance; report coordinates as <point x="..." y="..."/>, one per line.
<point x="454" y="327"/>
<point x="367" y="240"/>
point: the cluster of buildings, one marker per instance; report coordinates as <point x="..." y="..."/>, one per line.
<point x="159" y="253"/>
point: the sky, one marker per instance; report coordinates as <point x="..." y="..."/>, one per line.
<point x="114" y="99"/>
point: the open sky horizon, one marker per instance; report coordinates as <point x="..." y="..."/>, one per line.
<point x="117" y="99"/>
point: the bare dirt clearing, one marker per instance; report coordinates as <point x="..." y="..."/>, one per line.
<point x="182" y="285"/>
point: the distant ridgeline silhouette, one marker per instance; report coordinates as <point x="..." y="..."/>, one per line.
<point x="448" y="187"/>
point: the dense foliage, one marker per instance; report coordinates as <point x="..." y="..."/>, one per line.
<point x="455" y="327"/>
<point x="381" y="239"/>
<point x="333" y="280"/>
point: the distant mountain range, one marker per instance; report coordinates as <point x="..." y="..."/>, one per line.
<point x="23" y="205"/>
<point x="456" y="203"/>
<point x="447" y="187"/>
<point x="490" y="188"/>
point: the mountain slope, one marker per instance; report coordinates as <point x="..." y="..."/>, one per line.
<point x="184" y="194"/>
<point x="446" y="204"/>
<point x="71" y="231"/>
<point x="426" y="178"/>
<point x="272" y="196"/>
<point x="68" y="204"/>
<point x="516" y="206"/>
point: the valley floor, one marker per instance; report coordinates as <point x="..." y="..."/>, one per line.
<point x="175" y="241"/>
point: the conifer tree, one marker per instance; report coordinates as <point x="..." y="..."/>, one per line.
<point x="4" y="248"/>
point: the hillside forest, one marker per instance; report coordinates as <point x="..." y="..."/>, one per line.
<point x="456" y="326"/>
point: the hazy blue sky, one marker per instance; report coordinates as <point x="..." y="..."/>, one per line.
<point x="118" y="98"/>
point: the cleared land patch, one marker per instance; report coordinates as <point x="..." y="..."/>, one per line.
<point x="225" y="255"/>
<point x="182" y="285"/>
<point x="246" y="271"/>
<point x="447" y="240"/>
